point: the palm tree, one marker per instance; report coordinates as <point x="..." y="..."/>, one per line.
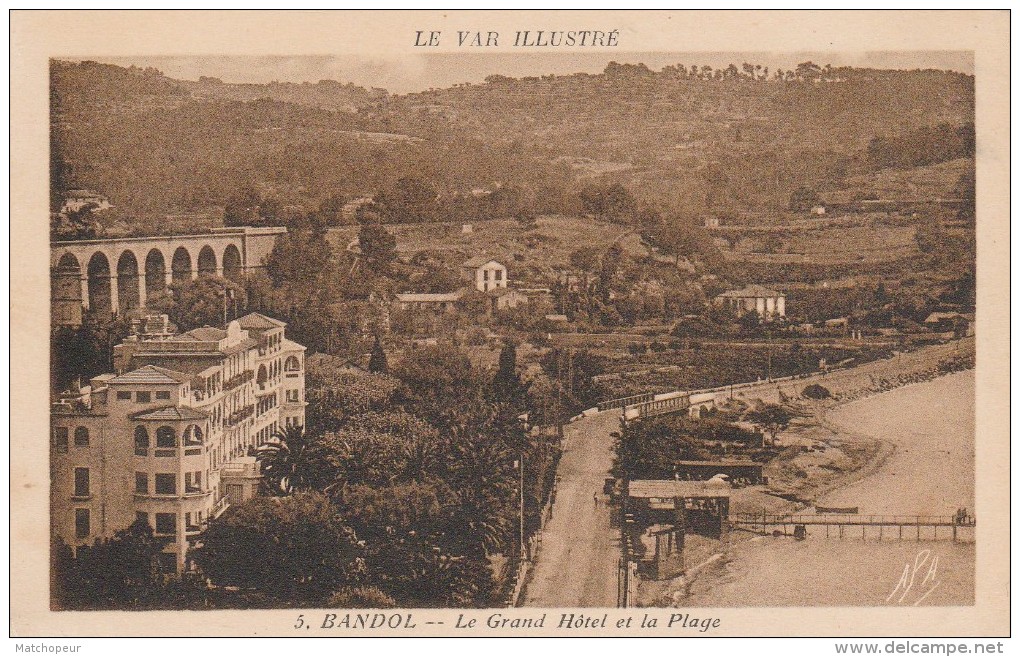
<point x="283" y="461"/>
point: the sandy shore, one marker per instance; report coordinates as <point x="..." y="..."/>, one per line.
<point x="930" y="470"/>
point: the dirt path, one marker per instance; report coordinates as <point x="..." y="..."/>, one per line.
<point x="577" y="563"/>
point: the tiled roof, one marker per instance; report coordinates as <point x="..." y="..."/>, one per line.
<point x="170" y="414"/>
<point x="477" y="261"/>
<point x="204" y="334"/>
<point x="751" y="291"/>
<point x="430" y="298"/>
<point x="149" y="374"/>
<point x="290" y="345"/>
<point x="258" y="321"/>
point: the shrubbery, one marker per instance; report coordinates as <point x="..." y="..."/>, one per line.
<point x="815" y="391"/>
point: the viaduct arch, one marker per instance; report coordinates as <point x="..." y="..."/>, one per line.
<point x="118" y="275"/>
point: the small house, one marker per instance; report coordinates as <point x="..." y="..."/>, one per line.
<point x="769" y="304"/>
<point x="484" y="274"/>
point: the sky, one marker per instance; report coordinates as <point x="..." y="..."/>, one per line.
<point x="417" y="73"/>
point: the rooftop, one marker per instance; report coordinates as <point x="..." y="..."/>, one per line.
<point x="170" y="414"/>
<point x="259" y="322"/>
<point x="290" y="345"/>
<point x="667" y="488"/>
<point x="751" y="291"/>
<point x="150" y="374"/>
<point x="478" y="261"/>
<point x="430" y="297"/>
<point x="203" y="334"/>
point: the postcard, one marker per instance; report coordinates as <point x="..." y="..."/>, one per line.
<point x="516" y="323"/>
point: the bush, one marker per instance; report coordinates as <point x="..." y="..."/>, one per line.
<point x="815" y="391"/>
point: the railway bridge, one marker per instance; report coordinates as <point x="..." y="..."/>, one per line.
<point x="120" y="274"/>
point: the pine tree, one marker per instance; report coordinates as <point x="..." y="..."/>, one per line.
<point x="506" y="384"/>
<point x="377" y="363"/>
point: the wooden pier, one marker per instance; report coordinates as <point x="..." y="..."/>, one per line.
<point x="851" y="526"/>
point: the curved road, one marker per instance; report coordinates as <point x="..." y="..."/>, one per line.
<point x="577" y="563"/>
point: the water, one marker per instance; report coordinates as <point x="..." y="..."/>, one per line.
<point x="931" y="472"/>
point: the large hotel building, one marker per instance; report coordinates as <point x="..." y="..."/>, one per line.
<point x="168" y="437"/>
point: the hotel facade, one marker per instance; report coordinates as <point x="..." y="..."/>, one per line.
<point x="169" y="437"/>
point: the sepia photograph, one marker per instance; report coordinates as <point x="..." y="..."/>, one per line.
<point x="515" y="323"/>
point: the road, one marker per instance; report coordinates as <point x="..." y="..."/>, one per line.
<point x="577" y="563"/>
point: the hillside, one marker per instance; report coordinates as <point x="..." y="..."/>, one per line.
<point x="691" y="140"/>
<point x="529" y="253"/>
<point x="934" y="181"/>
<point x="747" y="142"/>
<point x="155" y="146"/>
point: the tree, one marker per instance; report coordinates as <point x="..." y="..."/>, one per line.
<point x="441" y="386"/>
<point x="650" y="450"/>
<point x="301" y="258"/>
<point x="611" y="202"/>
<point x="331" y="209"/>
<point x="585" y="258"/>
<point x="377" y="362"/>
<point x="336" y="394"/>
<point x="283" y="461"/>
<point x="803" y="199"/>
<point x="749" y="322"/>
<point x="80" y="224"/>
<point x="378" y="246"/>
<point x="116" y="573"/>
<point x="294" y="549"/>
<point x="438" y="279"/>
<point x="409" y="200"/>
<point x="772" y="418"/>
<point x="808" y="71"/>
<point x="681" y="236"/>
<point x="85" y="351"/>
<point x="246" y="207"/>
<point x="202" y="301"/>
<point x="609" y="268"/>
<point x="506" y="385"/>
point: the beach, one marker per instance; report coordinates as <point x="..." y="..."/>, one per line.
<point x="927" y="470"/>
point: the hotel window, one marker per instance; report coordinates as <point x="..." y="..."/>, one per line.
<point x="193" y="482"/>
<point x="123" y="395"/>
<point x="81" y="482"/>
<point x="81" y="437"/>
<point x="141" y="441"/>
<point x="165" y="437"/>
<point x="499" y="274"/>
<point x="193" y="435"/>
<point x="166" y="484"/>
<point x="166" y="523"/>
<point x="162" y="394"/>
<point x="293" y="395"/>
<point x="60" y="438"/>
<point x="143" y="397"/>
<point x="142" y="482"/>
<point x="82" y="523"/>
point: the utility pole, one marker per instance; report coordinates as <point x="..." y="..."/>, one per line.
<point x="521" y="518"/>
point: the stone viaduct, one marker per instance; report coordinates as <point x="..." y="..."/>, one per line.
<point x="120" y="274"/>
